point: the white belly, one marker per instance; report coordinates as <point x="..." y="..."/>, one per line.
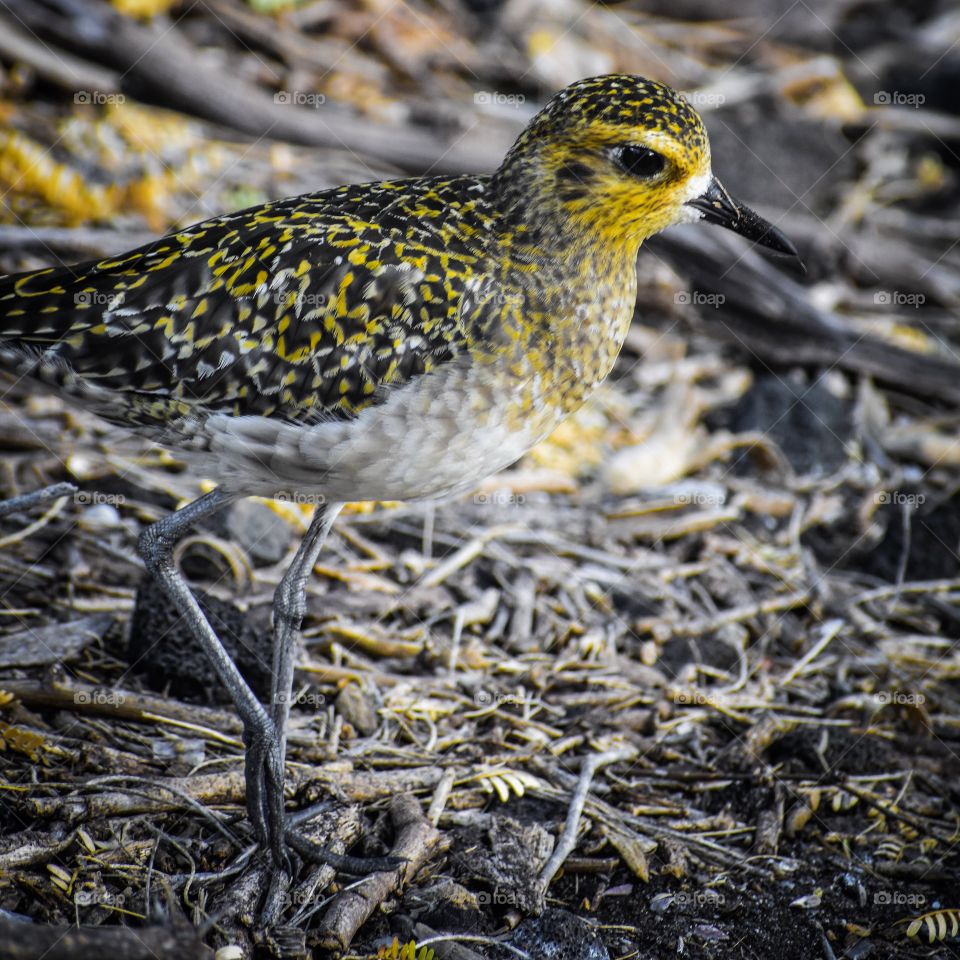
<point x="437" y="436"/>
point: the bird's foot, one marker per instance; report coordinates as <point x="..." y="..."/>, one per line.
<point x="264" y="778"/>
<point x="279" y="879"/>
<point x="265" y="805"/>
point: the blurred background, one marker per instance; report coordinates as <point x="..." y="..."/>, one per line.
<point x="838" y="121"/>
<point x="740" y="558"/>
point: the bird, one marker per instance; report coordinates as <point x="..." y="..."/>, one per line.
<point x="393" y="340"/>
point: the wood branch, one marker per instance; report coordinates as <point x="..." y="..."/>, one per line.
<point x="122" y="704"/>
<point x="24" y="849"/>
<point x="416" y="840"/>
<point x="59" y="67"/>
<point x="170" y="793"/>
<point x="27" y="941"/>
<point x="59" y="642"/>
<point x="770" y="315"/>
<point x="162" y="65"/>
<point x="568" y="838"/>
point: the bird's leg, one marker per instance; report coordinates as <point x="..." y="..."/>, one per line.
<point x="289" y="606"/>
<point x="156" y="547"/>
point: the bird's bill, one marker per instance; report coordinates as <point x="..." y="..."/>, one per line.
<point x="717" y="206"/>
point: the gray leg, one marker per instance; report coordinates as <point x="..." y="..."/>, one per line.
<point x="264" y="734"/>
<point x="289" y="607"/>
<point x="263" y="760"/>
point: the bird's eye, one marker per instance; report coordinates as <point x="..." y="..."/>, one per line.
<point x="640" y="161"/>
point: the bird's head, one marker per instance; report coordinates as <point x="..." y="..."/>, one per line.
<point x="624" y="157"/>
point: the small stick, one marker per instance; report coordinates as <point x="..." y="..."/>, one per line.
<point x="122" y="704"/>
<point x="469" y="551"/>
<point x="568" y="839"/>
<point x="830" y="630"/>
<point x="440" y="796"/>
<point x="27" y="500"/>
<point x="350" y="909"/>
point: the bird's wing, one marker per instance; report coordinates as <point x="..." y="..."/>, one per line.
<point x="301" y="310"/>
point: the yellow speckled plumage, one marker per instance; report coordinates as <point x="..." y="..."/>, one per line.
<point x="384" y="341"/>
<point x="316" y="307"/>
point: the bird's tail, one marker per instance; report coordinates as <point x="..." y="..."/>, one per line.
<point x="43" y="308"/>
<point x="49" y="325"/>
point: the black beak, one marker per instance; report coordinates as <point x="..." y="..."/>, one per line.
<point x="717" y="206"/>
